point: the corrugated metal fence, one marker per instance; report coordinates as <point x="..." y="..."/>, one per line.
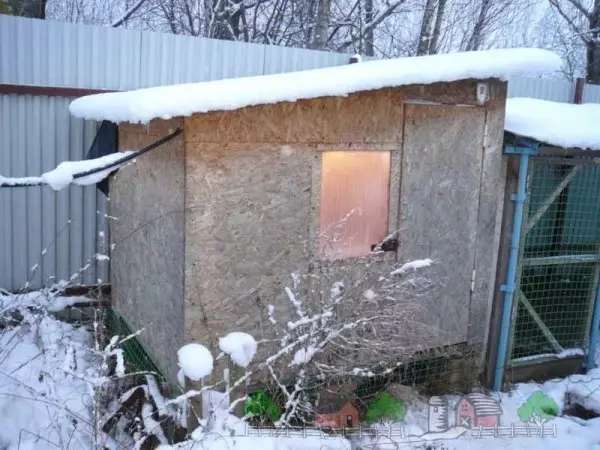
<point x="57" y="233"/>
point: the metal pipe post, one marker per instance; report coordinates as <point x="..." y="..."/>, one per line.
<point x="594" y="331"/>
<point x="513" y="260"/>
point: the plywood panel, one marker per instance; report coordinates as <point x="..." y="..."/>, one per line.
<point x="147" y="230"/>
<point x="369" y="117"/>
<point x="489" y="226"/>
<point x="247" y="228"/>
<point x="372" y="116"/>
<point x="439" y="202"/>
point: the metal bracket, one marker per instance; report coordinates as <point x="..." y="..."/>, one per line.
<point x="510" y="288"/>
<point x="524" y="148"/>
<point x="518" y="198"/>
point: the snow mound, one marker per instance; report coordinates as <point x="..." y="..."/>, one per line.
<point x="241" y="347"/>
<point x="44" y="398"/>
<point x="562" y="124"/>
<point x="165" y="102"/>
<point x="195" y="361"/>
<point x="50" y="302"/>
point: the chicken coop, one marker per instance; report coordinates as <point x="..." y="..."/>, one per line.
<point x="547" y="312"/>
<point x="311" y="173"/>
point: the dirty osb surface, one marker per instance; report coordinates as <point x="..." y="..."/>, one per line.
<point x="246" y="187"/>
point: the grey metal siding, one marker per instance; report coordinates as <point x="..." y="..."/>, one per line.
<point x="37" y="133"/>
<point x="554" y="90"/>
<point x="591" y="94"/>
<point x="53" y="231"/>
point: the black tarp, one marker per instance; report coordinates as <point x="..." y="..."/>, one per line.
<point x="105" y="143"/>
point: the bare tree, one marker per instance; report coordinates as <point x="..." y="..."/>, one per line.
<point x="583" y="19"/>
<point x="426" y="27"/>
<point x="35" y="9"/>
<point x="435" y="36"/>
<point x="321" y="24"/>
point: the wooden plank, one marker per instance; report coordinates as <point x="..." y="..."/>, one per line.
<point x="540" y="372"/>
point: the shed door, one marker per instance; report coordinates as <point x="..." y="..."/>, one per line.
<point x="441" y="172"/>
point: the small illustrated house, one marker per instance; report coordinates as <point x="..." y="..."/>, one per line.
<point x="438" y="414"/>
<point x="331" y="415"/>
<point x="405" y="155"/>
<point x="477" y="410"/>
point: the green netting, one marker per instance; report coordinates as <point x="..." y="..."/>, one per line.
<point x="559" y="260"/>
<point x="136" y="355"/>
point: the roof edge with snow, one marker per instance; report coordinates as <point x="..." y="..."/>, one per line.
<point x="165" y="102"/>
<point x="564" y="125"/>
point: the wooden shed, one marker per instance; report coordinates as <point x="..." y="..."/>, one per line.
<point x="209" y="228"/>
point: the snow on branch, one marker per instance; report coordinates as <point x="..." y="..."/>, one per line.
<point x="83" y="173"/>
<point x="69" y="172"/>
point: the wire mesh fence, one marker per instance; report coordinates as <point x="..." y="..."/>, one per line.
<point x="444" y="371"/>
<point x="559" y="261"/>
<point x="136" y="356"/>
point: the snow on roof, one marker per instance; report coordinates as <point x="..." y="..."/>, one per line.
<point x="561" y="124"/>
<point x="165" y="102"/>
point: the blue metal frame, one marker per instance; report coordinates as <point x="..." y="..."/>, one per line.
<point x="525" y="151"/>
<point x="594" y="332"/>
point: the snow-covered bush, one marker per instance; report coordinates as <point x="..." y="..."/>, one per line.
<point x="346" y="333"/>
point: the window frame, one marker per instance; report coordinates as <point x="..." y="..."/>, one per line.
<point x="393" y="210"/>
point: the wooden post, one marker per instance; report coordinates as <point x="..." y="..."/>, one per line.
<point x="578" y="96"/>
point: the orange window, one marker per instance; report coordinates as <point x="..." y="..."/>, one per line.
<point x="354" y="202"/>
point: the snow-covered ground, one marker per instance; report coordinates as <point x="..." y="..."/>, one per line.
<point x="571" y="433"/>
<point x="44" y="404"/>
<point x="46" y="398"/>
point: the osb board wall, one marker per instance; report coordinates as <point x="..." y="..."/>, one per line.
<point x="253" y="199"/>
<point x="365" y="117"/>
<point x="247" y="223"/>
<point x="251" y="195"/>
<point x="489" y="219"/>
<point x="147" y="230"/>
<point x="439" y="205"/>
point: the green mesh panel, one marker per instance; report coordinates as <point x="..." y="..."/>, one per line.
<point x="559" y="263"/>
<point x="136" y="355"/>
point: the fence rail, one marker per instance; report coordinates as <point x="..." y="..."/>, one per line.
<point x="397" y="432"/>
<point x="58" y="233"/>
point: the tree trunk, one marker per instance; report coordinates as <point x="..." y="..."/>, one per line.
<point x="425" y="33"/>
<point x="322" y="25"/>
<point x="593" y="46"/>
<point x="369" y="47"/>
<point x="593" y="63"/>
<point x="477" y="35"/>
<point x="435" y="37"/>
<point x="35" y="9"/>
